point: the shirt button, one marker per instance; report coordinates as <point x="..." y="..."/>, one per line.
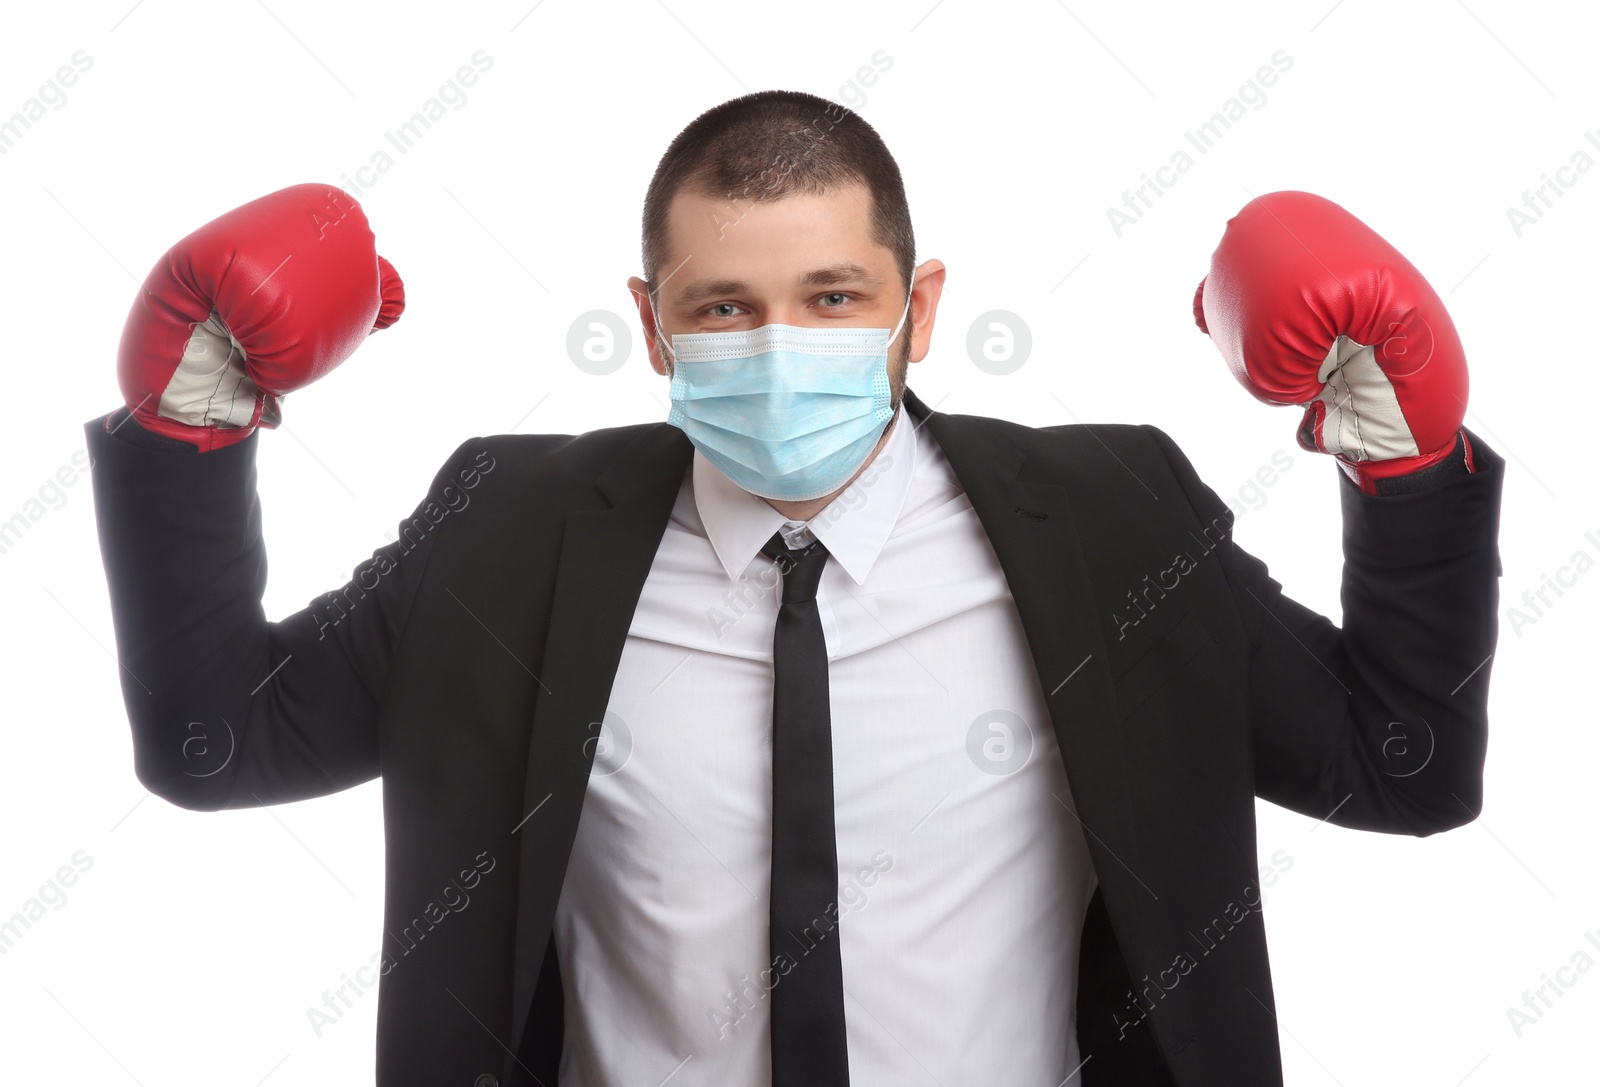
<point x="486" y="1080"/>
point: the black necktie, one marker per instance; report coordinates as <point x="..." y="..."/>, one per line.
<point x="808" y="1041"/>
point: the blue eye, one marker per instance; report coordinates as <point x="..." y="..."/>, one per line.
<point x="839" y="295"/>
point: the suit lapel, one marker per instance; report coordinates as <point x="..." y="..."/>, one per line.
<point x="1025" y="512"/>
<point x="606" y="554"/>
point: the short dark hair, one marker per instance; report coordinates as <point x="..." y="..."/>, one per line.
<point x="771" y="144"/>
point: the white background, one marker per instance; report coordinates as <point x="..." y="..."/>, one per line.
<point x="191" y="949"/>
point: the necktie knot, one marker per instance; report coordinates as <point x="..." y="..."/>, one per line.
<point x="801" y="569"/>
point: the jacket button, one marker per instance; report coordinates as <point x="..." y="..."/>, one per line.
<point x="486" y="1080"/>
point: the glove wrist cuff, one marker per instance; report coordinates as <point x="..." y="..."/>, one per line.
<point x="1412" y="474"/>
<point x="157" y="432"/>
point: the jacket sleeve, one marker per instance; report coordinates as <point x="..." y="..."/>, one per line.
<point x="1381" y="724"/>
<point x="229" y="710"/>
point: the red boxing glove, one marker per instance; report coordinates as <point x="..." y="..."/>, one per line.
<point x="256" y="303"/>
<point x="1310" y="306"/>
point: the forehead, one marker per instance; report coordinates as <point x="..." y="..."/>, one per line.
<point x="810" y="238"/>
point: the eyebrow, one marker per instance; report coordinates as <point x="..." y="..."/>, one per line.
<point x="831" y="275"/>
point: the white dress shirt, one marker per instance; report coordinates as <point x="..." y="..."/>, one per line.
<point x="963" y="872"/>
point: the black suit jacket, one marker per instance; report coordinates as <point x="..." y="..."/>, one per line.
<point x="469" y="662"/>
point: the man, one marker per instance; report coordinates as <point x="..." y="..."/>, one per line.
<point x="812" y="736"/>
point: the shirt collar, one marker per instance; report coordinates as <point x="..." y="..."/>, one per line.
<point x="853" y="527"/>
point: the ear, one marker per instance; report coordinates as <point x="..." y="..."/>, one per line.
<point x="659" y="361"/>
<point x="927" y="285"/>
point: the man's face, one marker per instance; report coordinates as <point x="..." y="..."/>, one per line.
<point x="805" y="260"/>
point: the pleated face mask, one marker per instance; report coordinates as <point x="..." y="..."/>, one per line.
<point x="785" y="412"/>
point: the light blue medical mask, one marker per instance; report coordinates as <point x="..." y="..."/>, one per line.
<point x="786" y="412"/>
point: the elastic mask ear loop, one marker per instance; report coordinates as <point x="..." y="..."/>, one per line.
<point x="902" y="320"/>
<point x="650" y="297"/>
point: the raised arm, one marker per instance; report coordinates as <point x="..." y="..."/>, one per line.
<point x="228" y="709"/>
<point x="1382" y="723"/>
